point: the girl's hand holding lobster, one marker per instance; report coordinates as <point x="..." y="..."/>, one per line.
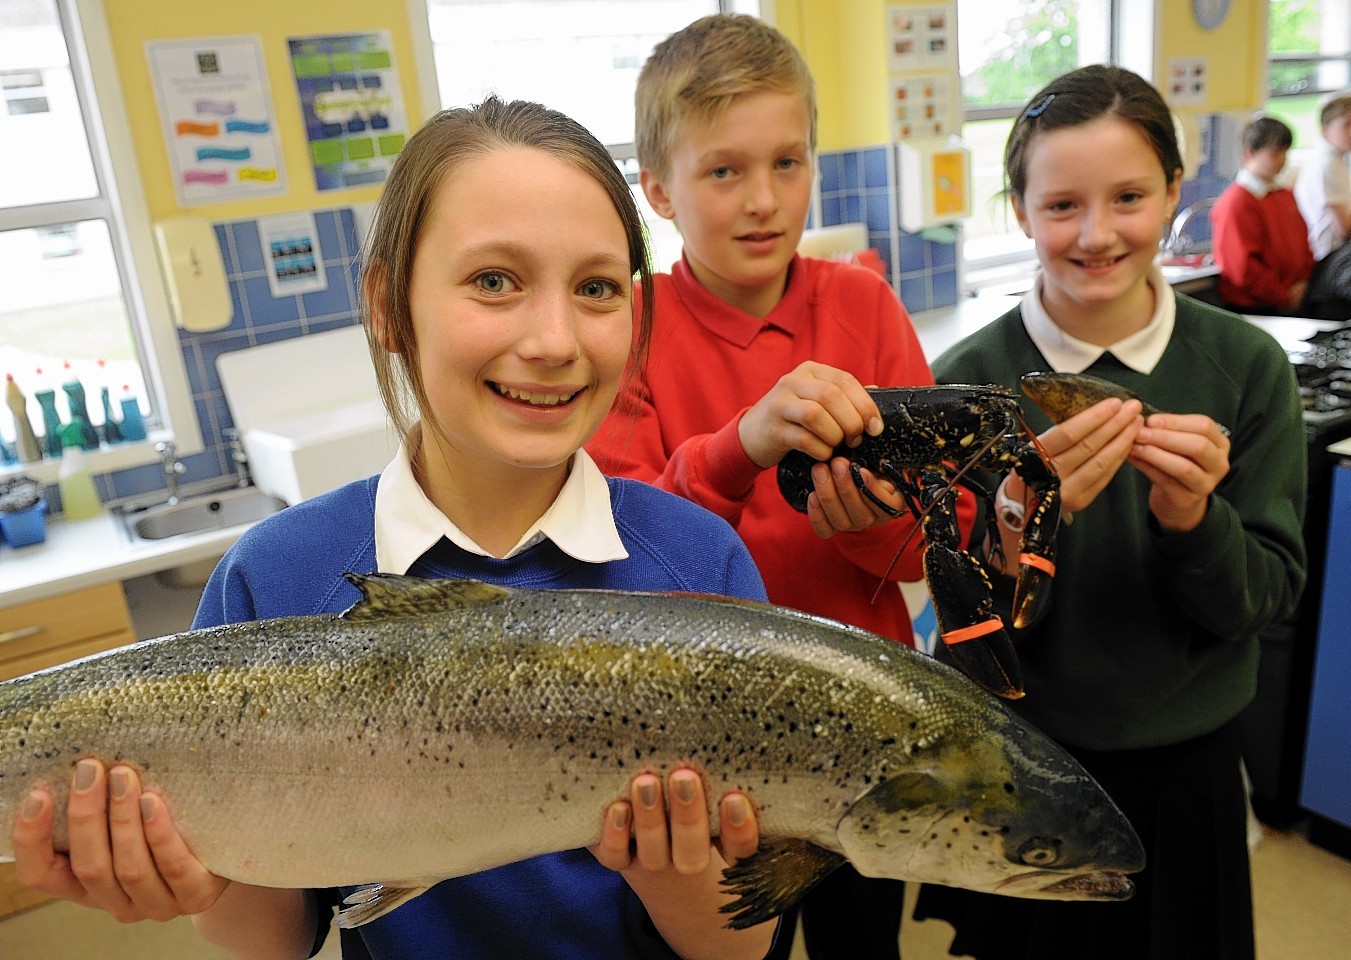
<point x="814" y="408"/>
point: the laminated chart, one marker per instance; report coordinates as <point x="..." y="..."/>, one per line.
<point x="349" y="96"/>
<point x="216" y="111"/>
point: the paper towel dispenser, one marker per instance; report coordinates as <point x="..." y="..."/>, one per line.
<point x="194" y="273"/>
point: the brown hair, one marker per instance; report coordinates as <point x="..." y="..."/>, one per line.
<point x="1334" y="109"/>
<point x="695" y="73"/>
<point x="1082" y="96"/>
<point x="1262" y="132"/>
<point x="444" y="142"/>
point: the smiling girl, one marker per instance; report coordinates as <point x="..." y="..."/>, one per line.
<point x="1186" y="537"/>
<point x="498" y="294"/>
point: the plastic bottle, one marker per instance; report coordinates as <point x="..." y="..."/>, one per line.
<point x="78" y="404"/>
<point x="51" y="420"/>
<point x="133" y="425"/>
<point x="25" y="439"/>
<point x="79" y="499"/>
<point x="112" y="430"/>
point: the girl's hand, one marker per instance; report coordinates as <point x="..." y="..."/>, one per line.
<point x="1185" y="456"/>
<point x="642" y="836"/>
<point x="1088" y="449"/>
<point x="814" y="408"/>
<point x="125" y="856"/>
<point x="838" y="506"/>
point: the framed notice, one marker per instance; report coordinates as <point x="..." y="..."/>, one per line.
<point x="216" y="113"/>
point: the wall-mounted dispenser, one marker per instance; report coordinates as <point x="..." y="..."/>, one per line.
<point x="935" y="182"/>
<point x="194" y="273"/>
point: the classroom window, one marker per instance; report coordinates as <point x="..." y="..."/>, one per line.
<point x="578" y="56"/>
<point x="1308" y="57"/>
<point x="1006" y="51"/>
<point x="68" y="276"/>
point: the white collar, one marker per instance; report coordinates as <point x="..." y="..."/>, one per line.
<point x="407" y="524"/>
<point x="1140" y="351"/>
<point x="1254" y="184"/>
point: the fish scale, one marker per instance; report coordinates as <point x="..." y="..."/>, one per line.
<point x="439" y="728"/>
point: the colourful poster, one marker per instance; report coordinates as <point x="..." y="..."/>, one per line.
<point x="349" y="95"/>
<point x="216" y="112"/>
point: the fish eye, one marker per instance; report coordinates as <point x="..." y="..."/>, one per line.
<point x="1039" y="852"/>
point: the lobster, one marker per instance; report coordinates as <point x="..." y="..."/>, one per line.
<point x="934" y="437"/>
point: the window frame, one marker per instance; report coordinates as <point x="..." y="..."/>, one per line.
<point x="122" y="205"/>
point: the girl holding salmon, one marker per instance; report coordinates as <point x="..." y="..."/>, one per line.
<point x="498" y="300"/>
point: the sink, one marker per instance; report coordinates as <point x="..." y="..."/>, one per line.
<point x="197" y="514"/>
<point x="207" y="511"/>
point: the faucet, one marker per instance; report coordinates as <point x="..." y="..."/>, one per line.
<point x="1180" y="243"/>
<point x="239" y="456"/>
<point x="173" y="468"/>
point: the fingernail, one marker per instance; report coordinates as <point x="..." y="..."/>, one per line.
<point x="874" y="426"/>
<point x="737" y="810"/>
<point x="683" y="787"/>
<point x="32" y="806"/>
<point x="647" y="794"/>
<point x="147" y="808"/>
<point x="619" y="815"/>
<point x="85" y="771"/>
<point x="117" y="783"/>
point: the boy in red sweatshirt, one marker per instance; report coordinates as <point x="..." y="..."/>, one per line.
<point x="757" y="351"/>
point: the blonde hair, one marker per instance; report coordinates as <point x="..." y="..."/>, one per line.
<point x="443" y="143"/>
<point x="1334" y="109"/>
<point x="695" y="73"/>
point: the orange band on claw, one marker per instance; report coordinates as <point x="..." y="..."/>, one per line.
<point x="1041" y="563"/>
<point x="962" y="634"/>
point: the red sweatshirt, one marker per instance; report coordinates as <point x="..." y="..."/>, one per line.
<point x="709" y="363"/>
<point x="1261" y="246"/>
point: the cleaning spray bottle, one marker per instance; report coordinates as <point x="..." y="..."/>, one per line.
<point x="51" y="420"/>
<point x="78" y="405"/>
<point x="133" y="425"/>
<point x="112" y="430"/>
<point x="24" y="438"/>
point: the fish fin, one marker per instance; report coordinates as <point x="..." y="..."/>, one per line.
<point x="373" y="901"/>
<point x="387" y="595"/>
<point x="774" y="878"/>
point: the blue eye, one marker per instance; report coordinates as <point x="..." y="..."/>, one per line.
<point x="599" y="289"/>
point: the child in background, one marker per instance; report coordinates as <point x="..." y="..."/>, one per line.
<point x="1261" y="241"/>
<point x="1186" y="540"/>
<point x="498" y="296"/>
<point x="757" y="351"/>
<point x="1323" y="192"/>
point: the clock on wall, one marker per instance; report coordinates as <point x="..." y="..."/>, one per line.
<point x="1210" y="13"/>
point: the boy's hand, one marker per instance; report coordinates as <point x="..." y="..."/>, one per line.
<point x="1185" y="456"/>
<point x="120" y="861"/>
<point x="838" y="506"/>
<point x="813" y="409"/>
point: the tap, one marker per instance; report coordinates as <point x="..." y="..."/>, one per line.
<point x="1180" y="243"/>
<point x="239" y="456"/>
<point x="173" y="469"/>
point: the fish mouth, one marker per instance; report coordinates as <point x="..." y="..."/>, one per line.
<point x="1091" y="885"/>
<point x="535" y="398"/>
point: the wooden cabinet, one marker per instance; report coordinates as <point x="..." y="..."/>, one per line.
<point x="45" y="633"/>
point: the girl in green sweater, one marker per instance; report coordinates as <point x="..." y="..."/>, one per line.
<point x="1186" y="536"/>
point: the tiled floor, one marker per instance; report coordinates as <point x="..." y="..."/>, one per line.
<point x="1303" y="905"/>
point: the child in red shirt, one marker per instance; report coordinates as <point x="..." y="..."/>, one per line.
<point x="1260" y="239"/>
<point x="757" y="351"/>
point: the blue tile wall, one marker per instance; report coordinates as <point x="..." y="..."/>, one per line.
<point x="258" y="318"/>
<point x="859" y="186"/>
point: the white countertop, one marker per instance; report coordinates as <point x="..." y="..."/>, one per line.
<point x="84" y="553"/>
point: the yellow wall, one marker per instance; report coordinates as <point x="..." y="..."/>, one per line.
<point x="844" y="43"/>
<point x="132" y="22"/>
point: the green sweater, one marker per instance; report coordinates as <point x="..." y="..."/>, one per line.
<point x="1152" y="638"/>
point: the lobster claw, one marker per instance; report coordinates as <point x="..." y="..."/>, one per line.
<point x="1036" y="562"/>
<point x="971" y="631"/>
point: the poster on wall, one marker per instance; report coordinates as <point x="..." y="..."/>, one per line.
<point x="355" y="123"/>
<point x="922" y="38"/>
<point x="922" y="70"/>
<point x="291" y="254"/>
<point x="216" y="113"/>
